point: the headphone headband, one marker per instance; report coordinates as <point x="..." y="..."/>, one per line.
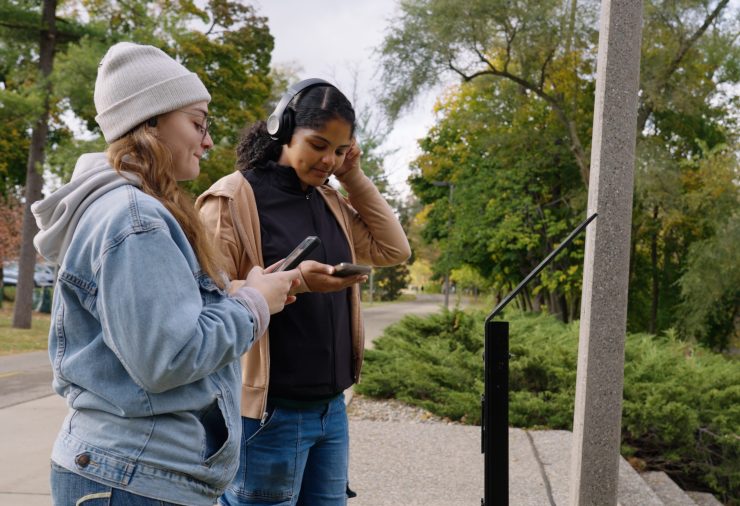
<point x="279" y="124"/>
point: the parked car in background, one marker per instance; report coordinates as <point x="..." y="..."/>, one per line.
<point x="10" y="273"/>
<point x="43" y="274"/>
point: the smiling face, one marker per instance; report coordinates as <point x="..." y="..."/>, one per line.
<point x="184" y="132"/>
<point x="316" y="154"/>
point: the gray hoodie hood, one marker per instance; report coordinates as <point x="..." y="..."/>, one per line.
<point x="58" y="214"/>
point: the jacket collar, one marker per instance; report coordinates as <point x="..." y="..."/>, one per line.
<point x="286" y="178"/>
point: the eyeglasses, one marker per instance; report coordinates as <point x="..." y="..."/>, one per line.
<point x="204" y="128"/>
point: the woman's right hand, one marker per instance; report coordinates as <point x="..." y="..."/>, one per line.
<point x="274" y="287"/>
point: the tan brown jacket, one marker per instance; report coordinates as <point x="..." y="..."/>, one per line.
<point x="373" y="232"/>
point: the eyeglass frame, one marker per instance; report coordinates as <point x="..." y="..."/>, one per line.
<point x="208" y="122"/>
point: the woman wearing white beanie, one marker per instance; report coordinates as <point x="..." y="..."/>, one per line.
<point x="145" y="337"/>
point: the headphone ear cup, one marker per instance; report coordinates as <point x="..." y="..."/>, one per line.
<point x="281" y="123"/>
<point x="287" y="124"/>
<point x="273" y="126"/>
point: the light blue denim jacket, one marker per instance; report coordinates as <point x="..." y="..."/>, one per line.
<point x="145" y="349"/>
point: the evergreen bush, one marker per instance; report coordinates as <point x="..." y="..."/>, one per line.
<point x="681" y="410"/>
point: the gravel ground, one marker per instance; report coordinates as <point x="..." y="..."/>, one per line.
<point x="390" y="410"/>
<point x="401" y="455"/>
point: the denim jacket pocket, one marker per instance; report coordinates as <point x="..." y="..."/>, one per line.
<point x="216" y="432"/>
<point x="219" y="438"/>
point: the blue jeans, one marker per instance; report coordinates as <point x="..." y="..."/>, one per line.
<point x="71" y="489"/>
<point x="297" y="457"/>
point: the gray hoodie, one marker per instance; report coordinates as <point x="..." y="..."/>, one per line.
<point x="58" y="214"/>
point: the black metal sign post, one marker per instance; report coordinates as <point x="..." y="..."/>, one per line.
<point x="495" y="401"/>
<point x="495" y="423"/>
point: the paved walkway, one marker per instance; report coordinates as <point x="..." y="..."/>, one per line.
<point x="30" y="426"/>
<point x="29" y="429"/>
<point x="391" y="462"/>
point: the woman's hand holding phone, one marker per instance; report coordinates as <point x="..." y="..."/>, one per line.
<point x="346" y="269"/>
<point x="320" y="277"/>
<point x="274" y="287"/>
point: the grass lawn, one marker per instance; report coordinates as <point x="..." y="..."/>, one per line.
<point x="22" y="340"/>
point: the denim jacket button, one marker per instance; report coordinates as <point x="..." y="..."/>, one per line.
<point x="82" y="460"/>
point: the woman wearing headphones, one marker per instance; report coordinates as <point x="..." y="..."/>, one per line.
<point x="295" y="437"/>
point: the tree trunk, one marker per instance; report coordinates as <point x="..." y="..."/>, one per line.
<point x="537" y="303"/>
<point x="571" y="28"/>
<point x="557" y="306"/>
<point x="573" y="308"/>
<point x="564" y="309"/>
<point x="526" y="300"/>
<point x="34" y="171"/>
<point x="654" y="264"/>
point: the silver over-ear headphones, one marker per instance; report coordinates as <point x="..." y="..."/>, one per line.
<point x="281" y="122"/>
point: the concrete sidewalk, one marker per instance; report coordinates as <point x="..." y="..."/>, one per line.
<point x="29" y="430"/>
<point x="391" y="463"/>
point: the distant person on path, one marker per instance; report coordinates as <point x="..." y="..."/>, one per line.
<point x="295" y="431"/>
<point x="144" y="339"/>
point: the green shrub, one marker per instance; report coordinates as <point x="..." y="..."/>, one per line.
<point x="681" y="412"/>
<point x="9" y="293"/>
<point x="681" y="408"/>
<point x="432" y="362"/>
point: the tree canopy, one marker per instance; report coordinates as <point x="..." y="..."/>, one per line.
<point x="48" y="66"/>
<point x="514" y="138"/>
<point x="225" y="42"/>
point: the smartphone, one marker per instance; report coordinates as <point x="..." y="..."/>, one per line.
<point x="299" y="254"/>
<point x="347" y="269"/>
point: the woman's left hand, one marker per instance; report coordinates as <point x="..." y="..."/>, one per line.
<point x="319" y="277"/>
<point x="351" y="160"/>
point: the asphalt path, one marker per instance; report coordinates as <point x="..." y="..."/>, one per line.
<point x="27" y="376"/>
<point x="24" y="377"/>
<point x="377" y="317"/>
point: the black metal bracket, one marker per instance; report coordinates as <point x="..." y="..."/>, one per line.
<point x="495" y="399"/>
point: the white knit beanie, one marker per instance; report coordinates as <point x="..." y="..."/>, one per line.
<point x="138" y="82"/>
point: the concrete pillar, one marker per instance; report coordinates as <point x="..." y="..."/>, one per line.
<point x="598" y="407"/>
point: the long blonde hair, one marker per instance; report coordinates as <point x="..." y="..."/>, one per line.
<point x="141" y="152"/>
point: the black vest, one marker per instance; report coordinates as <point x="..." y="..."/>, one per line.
<point x="311" y="339"/>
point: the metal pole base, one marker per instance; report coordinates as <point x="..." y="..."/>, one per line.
<point x="495" y="409"/>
